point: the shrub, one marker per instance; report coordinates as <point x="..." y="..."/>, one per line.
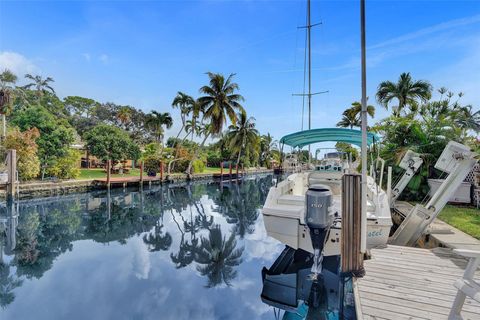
<point x="66" y="167"/>
<point x="152" y="164"/>
<point x="198" y="166"/>
<point x="28" y="164"/>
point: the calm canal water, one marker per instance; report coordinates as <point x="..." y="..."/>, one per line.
<point x="174" y="252"/>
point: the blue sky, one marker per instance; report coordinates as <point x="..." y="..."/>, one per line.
<point x="141" y="53"/>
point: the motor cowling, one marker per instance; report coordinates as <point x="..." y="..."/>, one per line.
<point x="318" y="207"/>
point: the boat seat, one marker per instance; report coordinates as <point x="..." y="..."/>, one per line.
<point x="291" y="200"/>
<point x="285" y="211"/>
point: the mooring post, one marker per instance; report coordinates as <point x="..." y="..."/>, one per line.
<point x="12" y="174"/>
<point x="141" y="172"/>
<point x="161" y="171"/>
<point x="236" y="170"/>
<point x="109" y="169"/>
<point x="351" y="251"/>
<point x="221" y="170"/>
<point x="230" y="170"/>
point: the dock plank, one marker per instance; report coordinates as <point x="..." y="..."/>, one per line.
<point x="411" y="283"/>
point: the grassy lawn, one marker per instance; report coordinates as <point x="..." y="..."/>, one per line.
<point x="86" y="174"/>
<point x="463" y="218"/>
<point x="214" y="170"/>
<point x="100" y="173"/>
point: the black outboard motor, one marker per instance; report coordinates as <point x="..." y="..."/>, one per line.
<point x="319" y="218"/>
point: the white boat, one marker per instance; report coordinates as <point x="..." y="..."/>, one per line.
<point x="284" y="211"/>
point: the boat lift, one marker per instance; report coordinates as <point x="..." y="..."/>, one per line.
<point x="411" y="162"/>
<point x="457" y="160"/>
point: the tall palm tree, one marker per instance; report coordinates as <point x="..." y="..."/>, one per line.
<point x="267" y="145"/>
<point x="242" y="134"/>
<point x="406" y="91"/>
<point x="349" y="120"/>
<point x="185" y="103"/>
<point x="124" y="115"/>
<point x="220" y="101"/>
<point x="156" y="121"/>
<point x="7" y="93"/>
<point x="465" y="119"/>
<point x="217" y="257"/>
<point x="351" y="117"/>
<point x="39" y="84"/>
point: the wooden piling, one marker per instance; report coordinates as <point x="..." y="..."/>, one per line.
<point x="109" y="172"/>
<point x="221" y="170"/>
<point x="351" y="255"/>
<point x="141" y="172"/>
<point x="161" y="171"/>
<point x="12" y="174"/>
<point x="230" y="170"/>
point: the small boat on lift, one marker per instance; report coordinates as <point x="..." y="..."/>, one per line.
<point x="293" y="205"/>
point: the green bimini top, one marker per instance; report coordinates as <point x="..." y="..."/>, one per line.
<point x="306" y="137"/>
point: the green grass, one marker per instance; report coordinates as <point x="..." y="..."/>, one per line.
<point x="214" y="170"/>
<point x="100" y="173"/>
<point x="466" y="219"/>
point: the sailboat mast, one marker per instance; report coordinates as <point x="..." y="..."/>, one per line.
<point x="309" y="27"/>
<point x="364" y="128"/>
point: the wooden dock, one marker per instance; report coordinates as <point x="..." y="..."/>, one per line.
<point x="411" y="283"/>
<point x="125" y="181"/>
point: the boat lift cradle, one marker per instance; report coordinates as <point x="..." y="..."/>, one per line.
<point x="457" y="160"/>
<point x="411" y="162"/>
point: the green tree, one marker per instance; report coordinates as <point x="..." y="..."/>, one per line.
<point x="66" y="167"/>
<point x="220" y="101"/>
<point x="39" y="84"/>
<point x="8" y="93"/>
<point x="351" y="117"/>
<point x="28" y="164"/>
<point x="155" y="122"/>
<point x="124" y="115"/>
<point x="56" y="135"/>
<point x="185" y="103"/>
<point x="241" y="134"/>
<point x="108" y="142"/>
<point x="406" y="91"/>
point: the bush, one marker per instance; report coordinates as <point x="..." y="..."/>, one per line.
<point x="214" y="158"/>
<point x="152" y="164"/>
<point x="198" y="166"/>
<point x="66" y="167"/>
<point x="28" y="164"/>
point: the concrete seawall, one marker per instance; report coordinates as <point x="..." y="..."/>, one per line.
<point x="38" y="189"/>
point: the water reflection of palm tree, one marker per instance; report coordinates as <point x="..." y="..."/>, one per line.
<point x="240" y="208"/>
<point x="8" y="283"/>
<point x="156" y="240"/>
<point x="217" y="257"/>
<point x="186" y="251"/>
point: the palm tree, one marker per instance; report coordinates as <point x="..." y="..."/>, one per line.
<point x="217" y="257"/>
<point x="40" y="85"/>
<point x="351" y="117"/>
<point x="465" y="119"/>
<point x="406" y="91"/>
<point x="220" y="101"/>
<point x="205" y="130"/>
<point x="7" y="92"/>
<point x="267" y="145"/>
<point x="124" y="115"/>
<point x="185" y="103"/>
<point x="241" y="134"/>
<point x="156" y="121"/>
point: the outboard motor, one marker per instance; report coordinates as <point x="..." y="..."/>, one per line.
<point x="319" y="218"/>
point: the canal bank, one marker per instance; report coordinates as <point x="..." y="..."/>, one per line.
<point x="37" y="189"/>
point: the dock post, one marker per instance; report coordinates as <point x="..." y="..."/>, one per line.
<point x="141" y="172"/>
<point x="230" y="170"/>
<point x="108" y="173"/>
<point x="351" y="253"/>
<point x="221" y="170"/>
<point x="161" y="171"/>
<point x="236" y="172"/>
<point x="12" y="174"/>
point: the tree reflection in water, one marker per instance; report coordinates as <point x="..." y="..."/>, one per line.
<point x="217" y="257"/>
<point x="48" y="228"/>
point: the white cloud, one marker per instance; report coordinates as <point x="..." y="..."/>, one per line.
<point x="17" y="63"/>
<point x="87" y="56"/>
<point x="103" y="58"/>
